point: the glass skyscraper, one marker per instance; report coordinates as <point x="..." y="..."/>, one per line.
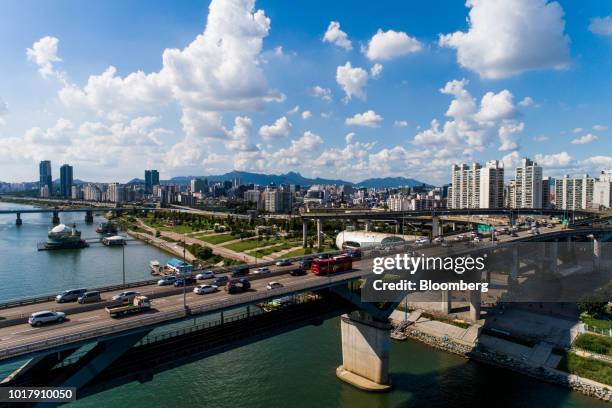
<point x="45" y="177"/>
<point x="66" y="181"/>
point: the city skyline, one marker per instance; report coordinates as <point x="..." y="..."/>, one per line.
<point x="409" y="100"/>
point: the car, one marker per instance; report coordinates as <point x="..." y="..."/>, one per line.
<point x="477" y="239"/>
<point x="189" y="280"/>
<point x="274" y="285"/>
<point x="90" y="297"/>
<point x="125" y="296"/>
<point x="70" y="295"/>
<point x="220" y="281"/>
<point x="324" y="256"/>
<point x="204" y="289"/>
<point x="46" y="316"/>
<point x="166" y="280"/>
<point x="460" y="237"/>
<point x="438" y="240"/>
<point x="240" y="271"/>
<point x="205" y="275"/>
<point x="355" y="254"/>
<point x="422" y="241"/>
<point x="238" y="285"/>
<point x="305" y="263"/>
<point x="261" y="271"/>
<point x="283" y="262"/>
<point x="297" y="272"/>
<point x="514" y="234"/>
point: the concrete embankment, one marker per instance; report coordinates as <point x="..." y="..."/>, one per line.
<point x="473" y="351"/>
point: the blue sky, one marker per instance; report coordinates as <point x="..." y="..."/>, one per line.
<point x="198" y="90"/>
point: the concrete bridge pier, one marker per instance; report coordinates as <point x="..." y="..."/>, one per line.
<point x="89" y="217"/>
<point x="365" y="352"/>
<point x="597" y="254"/>
<point x="304" y="233"/>
<point x="319" y="234"/>
<point x="554" y="256"/>
<point x="446" y="305"/>
<point x="397" y="227"/>
<point x="55" y="219"/>
<point x="514" y="264"/>
<point x="18" y="221"/>
<point x="475" y="298"/>
<point x="435" y="226"/>
<point x="368" y="225"/>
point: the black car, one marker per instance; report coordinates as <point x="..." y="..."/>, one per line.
<point x="190" y="280"/>
<point x="305" y="263"/>
<point x="241" y="271"/>
<point x="297" y="272"/>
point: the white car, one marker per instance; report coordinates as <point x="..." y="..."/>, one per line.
<point x="125" y="296"/>
<point x="477" y="239"/>
<point x="205" y="275"/>
<point x="422" y="241"/>
<point x="39" y="318"/>
<point x="261" y="271"/>
<point x="460" y="237"/>
<point x="204" y="289"/>
<point x="166" y="280"/>
<point x="274" y="285"/>
<point x="439" y="239"/>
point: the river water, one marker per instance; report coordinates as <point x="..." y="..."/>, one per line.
<point x="295" y="370"/>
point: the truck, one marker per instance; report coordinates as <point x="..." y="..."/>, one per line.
<point x="137" y="305"/>
<point x="238" y="285"/>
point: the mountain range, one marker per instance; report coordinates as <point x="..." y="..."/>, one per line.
<point x="293" y="178"/>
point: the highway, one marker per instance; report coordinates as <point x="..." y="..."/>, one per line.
<point x="21" y="334"/>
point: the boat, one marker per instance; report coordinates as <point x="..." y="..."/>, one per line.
<point x="114" y="240"/>
<point x="106" y="228"/>
<point x="63" y="237"/>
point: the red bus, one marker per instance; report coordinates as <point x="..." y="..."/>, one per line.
<point x="331" y="265"/>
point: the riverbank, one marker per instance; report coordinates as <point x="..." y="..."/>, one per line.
<point x="471" y="344"/>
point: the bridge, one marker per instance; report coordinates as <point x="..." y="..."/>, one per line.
<point x="89" y="211"/>
<point x="93" y="352"/>
<point x="436" y="216"/>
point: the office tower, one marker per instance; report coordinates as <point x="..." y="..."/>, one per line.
<point x="546" y="191"/>
<point x="151" y="179"/>
<point x="66" y="181"/>
<point x="198" y="185"/>
<point x="528" y="185"/>
<point x="45" y="180"/>
<point x="574" y="193"/>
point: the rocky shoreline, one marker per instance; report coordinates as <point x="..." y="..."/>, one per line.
<point x="574" y="382"/>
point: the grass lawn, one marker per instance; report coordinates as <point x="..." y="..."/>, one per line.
<point x="217" y="239"/>
<point x="245" y="245"/>
<point x="301" y="251"/>
<point x="595" y="343"/>
<point x="599" y="324"/>
<point x="593" y="369"/>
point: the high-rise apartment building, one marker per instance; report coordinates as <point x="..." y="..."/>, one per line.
<point x="277" y="201"/>
<point x="602" y="190"/>
<point x="45" y="180"/>
<point x="528" y="185"/>
<point x="151" y="179"/>
<point x="476" y="186"/>
<point x="66" y="181"/>
<point x="574" y="193"/>
<point x="546" y="191"/>
<point x="199" y="185"/>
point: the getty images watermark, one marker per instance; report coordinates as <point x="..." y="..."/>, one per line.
<point x="392" y="269"/>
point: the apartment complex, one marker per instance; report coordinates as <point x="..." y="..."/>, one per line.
<point x="574" y="193"/>
<point x="476" y="186"/>
<point x="602" y="190"/>
<point x="527" y="188"/>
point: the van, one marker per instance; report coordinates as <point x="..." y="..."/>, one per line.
<point x="70" y="295"/>
<point x="90" y="297"/>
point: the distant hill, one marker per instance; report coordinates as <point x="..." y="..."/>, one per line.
<point x="387" y="182"/>
<point x="295" y="178"/>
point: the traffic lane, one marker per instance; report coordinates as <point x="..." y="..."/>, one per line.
<point x="24" y="333"/>
<point x="153" y="291"/>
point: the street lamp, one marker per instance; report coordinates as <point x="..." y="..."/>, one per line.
<point x="123" y="261"/>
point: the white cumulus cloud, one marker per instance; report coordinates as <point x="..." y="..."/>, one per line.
<point x="320" y="92"/>
<point x="601" y="25"/>
<point x="369" y="119"/>
<point x="335" y="35"/>
<point x="352" y="80"/>
<point x="597" y="128"/>
<point x="376" y="70"/>
<point x="588" y="138"/>
<point x="44" y="53"/>
<point x="508" y="37"/>
<point x="306" y="115"/>
<point x="280" y="128"/>
<point x="400" y="123"/>
<point x="385" y="45"/>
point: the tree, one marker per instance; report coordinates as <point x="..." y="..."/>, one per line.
<point x="157" y="233"/>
